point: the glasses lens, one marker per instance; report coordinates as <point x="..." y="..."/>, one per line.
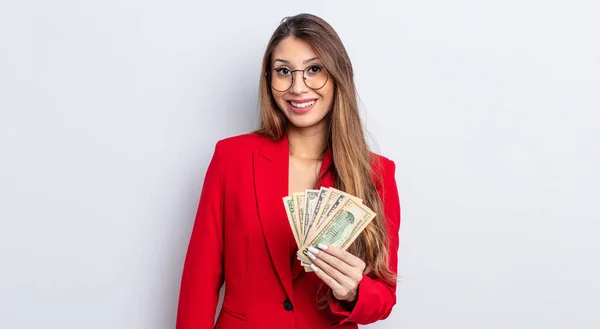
<point x="315" y="76"/>
<point x="281" y="79"/>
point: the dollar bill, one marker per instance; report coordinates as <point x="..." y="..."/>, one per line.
<point x="341" y="228"/>
<point x="288" y="203"/>
<point x="358" y="228"/>
<point x="321" y="198"/>
<point x="309" y="207"/>
<point x="320" y="203"/>
<point x="322" y="192"/>
<point x="336" y="199"/>
<point x="299" y="201"/>
<point x="330" y="197"/>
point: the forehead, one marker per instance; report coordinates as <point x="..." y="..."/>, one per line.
<point x="293" y="50"/>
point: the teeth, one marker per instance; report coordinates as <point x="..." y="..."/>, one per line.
<point x="302" y="105"/>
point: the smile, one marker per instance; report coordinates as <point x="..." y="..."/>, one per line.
<point x="302" y="107"/>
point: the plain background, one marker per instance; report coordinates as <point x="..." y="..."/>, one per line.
<point x="110" y="111"/>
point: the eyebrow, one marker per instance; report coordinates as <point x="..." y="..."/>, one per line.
<point x="288" y="62"/>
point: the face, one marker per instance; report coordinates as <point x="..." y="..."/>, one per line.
<point x="304" y="107"/>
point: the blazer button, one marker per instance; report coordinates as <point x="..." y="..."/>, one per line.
<point x="287" y="305"/>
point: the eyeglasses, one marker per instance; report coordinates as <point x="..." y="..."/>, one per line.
<point x="281" y="79"/>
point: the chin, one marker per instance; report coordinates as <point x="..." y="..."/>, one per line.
<point x="305" y="122"/>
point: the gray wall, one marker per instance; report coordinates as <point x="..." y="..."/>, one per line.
<point x="110" y="110"/>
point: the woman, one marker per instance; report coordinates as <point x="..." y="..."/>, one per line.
<point x="310" y="136"/>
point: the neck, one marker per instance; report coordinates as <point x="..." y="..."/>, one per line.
<point x="307" y="143"/>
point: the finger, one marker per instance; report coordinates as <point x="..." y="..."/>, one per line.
<point x="342" y="279"/>
<point x="333" y="261"/>
<point x="345" y="256"/>
<point x="334" y="285"/>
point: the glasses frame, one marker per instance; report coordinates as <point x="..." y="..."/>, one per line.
<point x="268" y="76"/>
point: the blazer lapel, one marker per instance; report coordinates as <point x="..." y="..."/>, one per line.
<point x="271" y="166"/>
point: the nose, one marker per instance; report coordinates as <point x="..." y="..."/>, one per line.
<point x="298" y="85"/>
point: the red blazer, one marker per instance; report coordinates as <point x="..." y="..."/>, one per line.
<point x="241" y="237"/>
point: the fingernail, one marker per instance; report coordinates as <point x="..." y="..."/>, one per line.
<point x="314" y="267"/>
<point x="310" y="254"/>
<point x="322" y="246"/>
<point x="315" y="251"/>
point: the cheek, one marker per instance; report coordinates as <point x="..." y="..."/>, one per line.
<point x="328" y="95"/>
<point x="278" y="97"/>
<point x="328" y="91"/>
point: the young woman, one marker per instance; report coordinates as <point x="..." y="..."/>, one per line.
<point x="310" y="136"/>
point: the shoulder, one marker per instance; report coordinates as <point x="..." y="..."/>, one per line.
<point x="383" y="168"/>
<point x="237" y="150"/>
<point x="249" y="141"/>
<point x="378" y="158"/>
<point x="239" y="145"/>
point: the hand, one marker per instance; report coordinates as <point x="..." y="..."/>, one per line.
<point x="339" y="269"/>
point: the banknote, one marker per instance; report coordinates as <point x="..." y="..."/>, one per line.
<point x="321" y="200"/>
<point x="311" y="197"/>
<point x="332" y="195"/>
<point x="358" y="228"/>
<point x="299" y="201"/>
<point x="288" y="203"/>
<point x="311" y="213"/>
<point x="336" y="198"/>
<point x="322" y="196"/>
<point x="341" y="228"/>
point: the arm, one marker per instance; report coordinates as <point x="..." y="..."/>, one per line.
<point x="376" y="297"/>
<point x="203" y="268"/>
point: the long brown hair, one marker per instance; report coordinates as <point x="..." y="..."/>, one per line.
<point x="353" y="166"/>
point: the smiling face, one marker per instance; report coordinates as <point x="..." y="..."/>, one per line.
<point x="304" y="107"/>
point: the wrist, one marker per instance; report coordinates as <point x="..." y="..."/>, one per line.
<point x="350" y="299"/>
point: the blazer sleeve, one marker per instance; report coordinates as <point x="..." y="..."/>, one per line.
<point x="202" y="275"/>
<point x="376" y="297"/>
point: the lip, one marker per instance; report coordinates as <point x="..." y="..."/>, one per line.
<point x="302" y="110"/>
<point x="304" y="100"/>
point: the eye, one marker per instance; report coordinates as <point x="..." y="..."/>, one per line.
<point x="282" y="71"/>
<point x="315" y="69"/>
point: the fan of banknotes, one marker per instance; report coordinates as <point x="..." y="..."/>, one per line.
<point x="328" y="216"/>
